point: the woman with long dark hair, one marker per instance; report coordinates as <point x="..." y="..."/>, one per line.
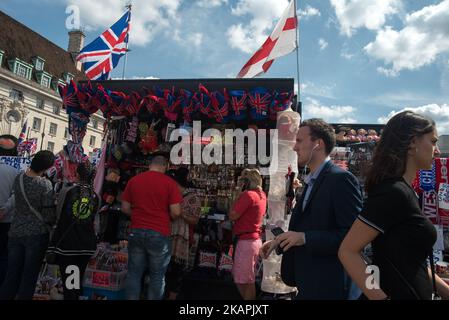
<point x="402" y="237"/>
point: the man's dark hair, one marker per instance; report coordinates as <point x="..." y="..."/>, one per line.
<point x="159" y="160"/>
<point x="8" y="151"/>
<point x="320" y="129"/>
<point x="43" y="160"/>
<point x="85" y="172"/>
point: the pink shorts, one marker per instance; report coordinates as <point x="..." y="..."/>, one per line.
<point x="246" y="253"/>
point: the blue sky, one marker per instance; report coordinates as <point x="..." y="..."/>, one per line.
<point x="360" y="60"/>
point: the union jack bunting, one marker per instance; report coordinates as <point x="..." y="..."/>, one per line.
<point x="69" y="96"/>
<point x="220" y="106"/>
<point x="103" y="54"/>
<point x="238" y="104"/>
<point x="259" y="100"/>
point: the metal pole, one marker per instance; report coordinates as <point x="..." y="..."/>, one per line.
<point x="43" y="133"/>
<point x="298" y="100"/>
<point x="126" y="54"/>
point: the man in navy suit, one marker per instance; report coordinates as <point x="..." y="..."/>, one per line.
<point x="330" y="202"/>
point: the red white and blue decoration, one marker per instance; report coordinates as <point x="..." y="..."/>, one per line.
<point x="103" y="54"/>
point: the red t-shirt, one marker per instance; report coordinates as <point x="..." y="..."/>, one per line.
<point x="251" y="205"/>
<point x="150" y="194"/>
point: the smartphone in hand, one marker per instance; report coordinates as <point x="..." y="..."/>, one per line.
<point x="277" y="231"/>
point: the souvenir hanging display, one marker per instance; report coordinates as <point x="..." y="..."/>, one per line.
<point x="176" y="105"/>
<point x="139" y="124"/>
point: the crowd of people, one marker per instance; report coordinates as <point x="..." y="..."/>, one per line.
<point x="330" y="225"/>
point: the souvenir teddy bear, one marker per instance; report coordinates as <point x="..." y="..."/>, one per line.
<point x="372" y="135"/>
<point x="361" y="134"/>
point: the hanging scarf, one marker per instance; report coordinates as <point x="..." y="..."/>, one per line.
<point x="74" y="151"/>
<point x="191" y="207"/>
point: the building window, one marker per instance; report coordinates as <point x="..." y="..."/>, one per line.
<point x="56" y="109"/>
<point x="39" y="64"/>
<point x="40" y="103"/>
<point x="53" y="129"/>
<point x="92" y="141"/>
<point x="1" y="57"/>
<point x="50" y="146"/>
<point x="37" y="124"/>
<point x="20" y="68"/>
<point x="46" y="82"/>
<point x="22" y="71"/>
<point x="67" y="77"/>
<point x="16" y="95"/>
<point x="95" y="124"/>
<point x="66" y="133"/>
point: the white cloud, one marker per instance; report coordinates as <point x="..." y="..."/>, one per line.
<point x="334" y="114"/>
<point x="324" y="91"/>
<point x="387" y="72"/>
<point x="210" y="3"/>
<point x="308" y="12"/>
<point x="196" y="39"/>
<point x="424" y="37"/>
<point x="190" y="40"/>
<point x="322" y="43"/>
<point x="347" y="56"/>
<point x="439" y="113"/>
<point x="136" y="78"/>
<point x="303" y="86"/>
<point x="371" y="14"/>
<point x="148" y="17"/>
<point x="347" y="120"/>
<point x="264" y="14"/>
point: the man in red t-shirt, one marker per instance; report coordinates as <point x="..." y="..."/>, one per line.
<point x="152" y="199"/>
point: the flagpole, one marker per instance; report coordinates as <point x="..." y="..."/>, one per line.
<point x="298" y="99"/>
<point x="126" y="53"/>
<point x="43" y="133"/>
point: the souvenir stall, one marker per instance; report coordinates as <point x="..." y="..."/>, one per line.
<point x="354" y="148"/>
<point x="141" y="115"/>
<point x="432" y="187"/>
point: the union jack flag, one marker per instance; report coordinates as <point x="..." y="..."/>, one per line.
<point x="27" y="147"/>
<point x="103" y="54"/>
<point x="238" y="103"/>
<point x="23" y="133"/>
<point x="259" y="101"/>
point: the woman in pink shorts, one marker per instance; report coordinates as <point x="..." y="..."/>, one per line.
<point x="248" y="212"/>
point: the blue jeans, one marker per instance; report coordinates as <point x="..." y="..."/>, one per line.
<point x="147" y="250"/>
<point x="25" y="256"/>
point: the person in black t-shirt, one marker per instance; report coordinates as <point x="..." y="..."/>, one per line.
<point x="74" y="240"/>
<point x="402" y="237"/>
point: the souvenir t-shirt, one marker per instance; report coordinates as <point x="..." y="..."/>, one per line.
<point x="405" y="241"/>
<point x="151" y="193"/>
<point x="75" y="234"/>
<point x="251" y="206"/>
